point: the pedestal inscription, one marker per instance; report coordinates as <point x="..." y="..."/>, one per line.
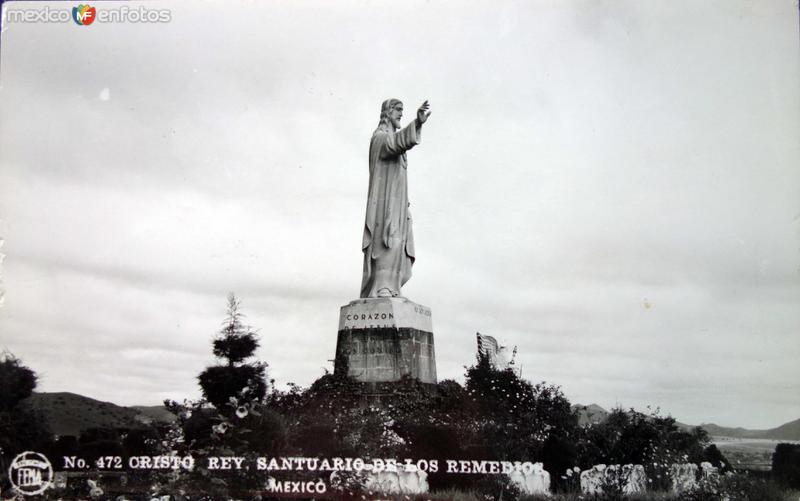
<point x="384" y="339"/>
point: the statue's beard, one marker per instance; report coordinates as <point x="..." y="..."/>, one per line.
<point x="395" y="123"/>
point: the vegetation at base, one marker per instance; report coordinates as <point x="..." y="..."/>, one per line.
<point x="494" y="415"/>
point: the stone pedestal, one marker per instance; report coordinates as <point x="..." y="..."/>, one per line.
<point x="383" y="339"/>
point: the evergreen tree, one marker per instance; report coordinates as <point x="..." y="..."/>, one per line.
<point x="239" y="422"/>
<point x="236" y="380"/>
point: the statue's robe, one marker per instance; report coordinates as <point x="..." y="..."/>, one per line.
<point x="388" y="242"/>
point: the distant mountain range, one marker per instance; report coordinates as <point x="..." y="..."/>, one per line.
<point x="787" y="431"/>
<point x="593" y="413"/>
<point x="70" y="414"/>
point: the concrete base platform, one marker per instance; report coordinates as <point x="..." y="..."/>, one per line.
<point x="382" y="340"/>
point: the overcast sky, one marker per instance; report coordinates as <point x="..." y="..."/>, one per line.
<point x="613" y="187"/>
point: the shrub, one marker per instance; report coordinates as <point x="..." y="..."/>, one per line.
<point x="713" y="455"/>
<point x="16" y="382"/>
<point x="220" y="383"/>
<point x="559" y="454"/>
<point x="786" y="464"/>
<point x="515" y="417"/>
<point x="631" y="437"/>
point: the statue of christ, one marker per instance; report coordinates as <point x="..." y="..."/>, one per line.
<point x="388" y="242"/>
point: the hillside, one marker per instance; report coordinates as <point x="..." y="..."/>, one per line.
<point x="787" y="431"/>
<point x="590" y="414"/>
<point x="153" y="413"/>
<point x="69" y="413"/>
<point x="723" y="431"/>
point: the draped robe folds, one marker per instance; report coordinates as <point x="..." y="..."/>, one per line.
<point x="388" y="242"/>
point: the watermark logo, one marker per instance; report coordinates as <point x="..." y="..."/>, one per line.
<point x="30" y="473"/>
<point x="84" y="14"/>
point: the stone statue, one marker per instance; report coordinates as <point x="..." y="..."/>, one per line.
<point x="388" y="242"/>
<point x="384" y="337"/>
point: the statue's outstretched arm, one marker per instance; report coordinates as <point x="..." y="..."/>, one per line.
<point x="397" y="143"/>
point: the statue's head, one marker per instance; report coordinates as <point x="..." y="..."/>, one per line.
<point x="391" y="113"/>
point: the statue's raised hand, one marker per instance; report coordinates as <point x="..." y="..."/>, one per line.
<point x="423" y="112"/>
